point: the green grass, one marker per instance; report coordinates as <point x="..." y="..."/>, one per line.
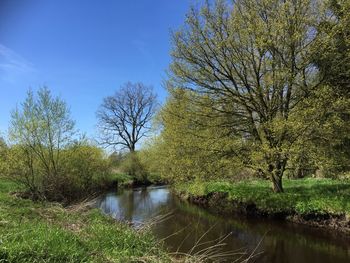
<point x="304" y="196"/>
<point x="47" y="232"/>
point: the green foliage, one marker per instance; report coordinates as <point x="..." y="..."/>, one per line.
<point x="85" y="169"/>
<point x="3" y="155"/>
<point x="39" y="130"/>
<point x="333" y="56"/>
<point x="132" y="166"/>
<point x="46" y="232"/>
<point x="333" y="60"/>
<point x="191" y="145"/>
<point x="251" y="61"/>
<point x="135" y="167"/>
<point x="303" y="196"/>
<point x="116" y="158"/>
<point x="45" y="158"/>
<point x="123" y="179"/>
<point x="246" y="97"/>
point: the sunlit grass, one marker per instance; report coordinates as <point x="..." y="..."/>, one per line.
<point x="302" y="196"/>
<point x="46" y="232"/>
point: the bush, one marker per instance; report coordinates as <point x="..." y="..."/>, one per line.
<point x="24" y="167"/>
<point x="85" y="169"/>
<point x="133" y="166"/>
<point x="3" y="154"/>
<point x="44" y="156"/>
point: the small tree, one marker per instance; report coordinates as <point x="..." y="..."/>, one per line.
<point x="124" y="117"/>
<point x="39" y="130"/>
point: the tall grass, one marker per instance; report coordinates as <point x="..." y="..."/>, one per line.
<point x="47" y="232"/>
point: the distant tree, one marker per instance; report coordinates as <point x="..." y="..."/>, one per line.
<point x="125" y="117"/>
<point x="116" y="158"/>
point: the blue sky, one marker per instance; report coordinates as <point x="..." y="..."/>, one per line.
<point x="83" y="50"/>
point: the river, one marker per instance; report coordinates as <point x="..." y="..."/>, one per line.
<point x="186" y="225"/>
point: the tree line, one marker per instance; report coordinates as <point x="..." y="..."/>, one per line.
<point x="48" y="156"/>
<point x="256" y="89"/>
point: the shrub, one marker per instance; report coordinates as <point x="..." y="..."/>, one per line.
<point x="85" y="169"/>
<point x="133" y="166"/>
<point x="43" y="155"/>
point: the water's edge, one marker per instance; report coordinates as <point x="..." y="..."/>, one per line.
<point x="218" y="203"/>
<point x="281" y="241"/>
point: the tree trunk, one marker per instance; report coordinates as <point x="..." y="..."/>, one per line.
<point x="276" y="170"/>
<point x="277" y="183"/>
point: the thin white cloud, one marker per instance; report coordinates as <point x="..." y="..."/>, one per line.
<point x="142" y="48"/>
<point x="11" y="61"/>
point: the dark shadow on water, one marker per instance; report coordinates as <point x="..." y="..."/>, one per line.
<point x="281" y="241"/>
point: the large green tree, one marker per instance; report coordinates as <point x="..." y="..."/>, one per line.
<point x="253" y="59"/>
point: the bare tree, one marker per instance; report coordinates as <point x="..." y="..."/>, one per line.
<point x="124" y="117"/>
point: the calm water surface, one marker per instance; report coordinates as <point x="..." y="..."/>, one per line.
<point x="280" y="241"/>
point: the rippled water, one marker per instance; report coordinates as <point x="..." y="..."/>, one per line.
<point x="279" y="241"/>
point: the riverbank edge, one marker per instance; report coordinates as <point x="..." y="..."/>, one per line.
<point x="219" y="203"/>
<point x="28" y="227"/>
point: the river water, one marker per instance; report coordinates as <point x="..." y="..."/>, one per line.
<point x="187" y="228"/>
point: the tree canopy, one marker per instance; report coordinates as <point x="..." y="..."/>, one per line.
<point x="250" y="65"/>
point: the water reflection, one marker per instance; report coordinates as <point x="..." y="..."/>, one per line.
<point x="281" y="242"/>
<point x="135" y="205"/>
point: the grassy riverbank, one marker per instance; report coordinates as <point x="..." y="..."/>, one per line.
<point x="47" y="232"/>
<point x="312" y="200"/>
